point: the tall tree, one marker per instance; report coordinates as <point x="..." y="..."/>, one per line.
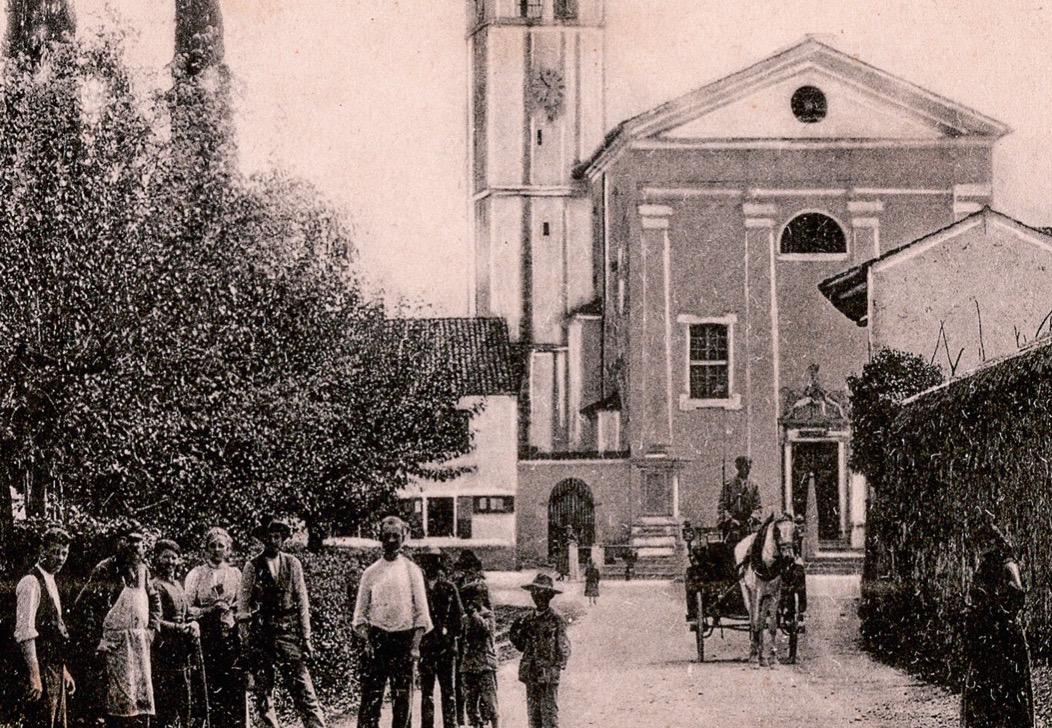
<point x="33" y="25"/>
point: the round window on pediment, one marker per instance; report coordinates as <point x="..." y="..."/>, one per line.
<point x="813" y="233"/>
<point x="809" y="104"/>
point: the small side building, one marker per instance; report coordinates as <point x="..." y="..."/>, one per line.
<point x="477" y="509"/>
<point x="974" y="291"/>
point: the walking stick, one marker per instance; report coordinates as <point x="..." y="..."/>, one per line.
<point x="200" y="655"/>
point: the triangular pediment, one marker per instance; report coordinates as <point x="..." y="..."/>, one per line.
<point x="861" y="103"/>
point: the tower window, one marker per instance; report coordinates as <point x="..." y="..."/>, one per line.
<point x="566" y="9"/>
<point x="540" y="137"/>
<point x="545" y="229"/>
<point x="530" y="8"/>
<point x="813" y="233"/>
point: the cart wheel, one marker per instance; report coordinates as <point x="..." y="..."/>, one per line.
<point x="794" y="628"/>
<point x="699" y="634"/>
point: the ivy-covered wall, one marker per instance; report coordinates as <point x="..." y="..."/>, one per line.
<point x="980" y="442"/>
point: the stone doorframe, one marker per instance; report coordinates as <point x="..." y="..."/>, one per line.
<point x="841" y="438"/>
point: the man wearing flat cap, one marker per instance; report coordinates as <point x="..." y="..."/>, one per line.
<point x="391" y="615"/>
<point x="740" y="507"/>
<point x="275" y="617"/>
<point x="542" y="639"/>
<point x="42" y="636"/>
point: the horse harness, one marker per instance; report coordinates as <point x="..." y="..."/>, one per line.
<point x="754" y="557"/>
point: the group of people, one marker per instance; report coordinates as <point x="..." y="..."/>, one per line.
<point x="145" y="629"/>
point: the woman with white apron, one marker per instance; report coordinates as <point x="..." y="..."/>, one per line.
<point x="125" y="646"/>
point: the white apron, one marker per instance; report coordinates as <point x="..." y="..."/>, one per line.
<point x="129" y="683"/>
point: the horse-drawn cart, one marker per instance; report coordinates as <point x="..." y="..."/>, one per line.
<point x="715" y="600"/>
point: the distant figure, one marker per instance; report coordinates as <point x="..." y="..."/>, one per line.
<point x="391" y="615"/>
<point x="573" y="559"/>
<point x="998" y="691"/>
<point x="438" y="649"/>
<point x="740" y="508"/>
<point x="629" y="558"/>
<point x="41" y="634"/>
<point x="541" y="637"/>
<point x="591" y="582"/>
<point x="479" y="666"/>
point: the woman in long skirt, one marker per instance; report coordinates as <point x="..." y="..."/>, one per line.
<point x="591" y="582"/>
<point x="998" y="692"/>
<point x="212" y="591"/>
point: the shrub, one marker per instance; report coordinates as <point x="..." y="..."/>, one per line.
<point x="980" y="442"/>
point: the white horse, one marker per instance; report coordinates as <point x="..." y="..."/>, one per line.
<point x="762" y="558"/>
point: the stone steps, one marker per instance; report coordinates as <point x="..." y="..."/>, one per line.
<point x="836" y="562"/>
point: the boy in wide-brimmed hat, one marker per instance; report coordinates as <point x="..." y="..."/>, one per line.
<point x="541" y="636"/>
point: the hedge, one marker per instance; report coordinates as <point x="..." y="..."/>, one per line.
<point x="979" y="442"/>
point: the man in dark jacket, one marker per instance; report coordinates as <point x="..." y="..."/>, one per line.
<point x="740" y="507"/>
<point x="438" y="648"/>
<point x="42" y="636"/>
<point x="541" y="637"/>
<point x="275" y="618"/>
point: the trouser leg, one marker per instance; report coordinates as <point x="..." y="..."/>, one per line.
<point x="458" y="677"/>
<point x="549" y="706"/>
<point x="263" y="693"/>
<point x="447" y="684"/>
<point x="427" y="695"/>
<point x="373" y="679"/>
<point x="299" y="684"/>
<point x="488" y="705"/>
<point x="471" y="698"/>
<point x="400" y="664"/>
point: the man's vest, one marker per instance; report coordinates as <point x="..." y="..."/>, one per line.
<point x="273" y="597"/>
<point x="52" y="636"/>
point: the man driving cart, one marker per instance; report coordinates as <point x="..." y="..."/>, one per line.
<point x="740" y="508"/>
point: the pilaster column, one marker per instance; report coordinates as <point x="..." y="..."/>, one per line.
<point x="762" y="378"/>
<point x="865" y="228"/>
<point x="655" y="355"/>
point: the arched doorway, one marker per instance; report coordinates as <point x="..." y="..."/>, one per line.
<point x="571" y="504"/>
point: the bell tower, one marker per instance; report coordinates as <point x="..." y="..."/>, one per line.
<point x="536" y="109"/>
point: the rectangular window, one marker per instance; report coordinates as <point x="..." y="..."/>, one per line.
<point x="439" y="517"/>
<point x="464" y="513"/>
<point x="495" y="504"/>
<point x="566" y="9"/>
<point x="709" y="362"/>
<point x="540" y="137"/>
<point x="530" y="8"/>
<point x="545" y="229"/>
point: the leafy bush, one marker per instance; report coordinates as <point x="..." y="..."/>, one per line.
<point x="980" y="442"/>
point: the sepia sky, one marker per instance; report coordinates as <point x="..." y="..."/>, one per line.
<point x="367" y="98"/>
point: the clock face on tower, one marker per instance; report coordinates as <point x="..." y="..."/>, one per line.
<point x="546" y="91"/>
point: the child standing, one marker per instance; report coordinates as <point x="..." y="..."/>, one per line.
<point x="479" y="666"/>
<point x="541" y="637"/>
<point x="591" y="582"/>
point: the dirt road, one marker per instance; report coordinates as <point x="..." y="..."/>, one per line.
<point x="634" y="666"/>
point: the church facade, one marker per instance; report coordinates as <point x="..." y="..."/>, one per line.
<point x="661" y="278"/>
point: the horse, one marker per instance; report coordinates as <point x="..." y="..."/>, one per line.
<point x="762" y="558"/>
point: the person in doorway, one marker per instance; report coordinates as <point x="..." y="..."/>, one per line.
<point x="120" y="610"/>
<point x="998" y="690"/>
<point x="391" y="615"/>
<point x="274" y="612"/>
<point x="629" y="557"/>
<point x="438" y="649"/>
<point x="479" y="668"/>
<point x="212" y="590"/>
<point x="175" y="641"/>
<point x="591" y="582"/>
<point x="42" y="637"/>
<point x="740" y="507"/>
<point x="541" y="637"/>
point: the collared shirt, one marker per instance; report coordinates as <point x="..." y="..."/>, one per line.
<point x="27" y="601"/>
<point x="393" y="597"/>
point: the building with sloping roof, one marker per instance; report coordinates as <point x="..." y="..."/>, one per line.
<point x="962" y="295"/>
<point x="477" y="508"/>
<point x="662" y="277"/>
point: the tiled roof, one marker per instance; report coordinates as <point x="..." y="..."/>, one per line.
<point x="479" y="350"/>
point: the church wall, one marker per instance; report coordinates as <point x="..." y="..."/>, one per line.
<point x="607" y="480"/>
<point x="504" y="269"/>
<point x="548" y="265"/>
<point x="708" y="279"/>
<point x="506" y="111"/>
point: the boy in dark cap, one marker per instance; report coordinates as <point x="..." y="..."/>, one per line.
<point x="438" y="648"/>
<point x="541" y="637"/>
<point x="174" y="643"/>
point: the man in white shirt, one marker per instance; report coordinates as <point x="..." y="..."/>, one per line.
<point x="41" y="634"/>
<point x="391" y="615"/>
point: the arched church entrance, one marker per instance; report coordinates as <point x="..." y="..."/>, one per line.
<point x="571" y="504"/>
